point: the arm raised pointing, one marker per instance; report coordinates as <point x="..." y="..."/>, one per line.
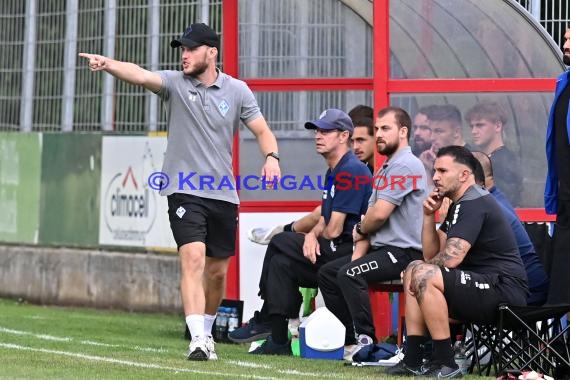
<point x="125" y="71"/>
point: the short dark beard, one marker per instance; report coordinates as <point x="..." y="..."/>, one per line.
<point x="388" y="150"/>
<point x="566" y="59"/>
<point x="199" y="69"/>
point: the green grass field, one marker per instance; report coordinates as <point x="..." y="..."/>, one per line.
<point x="38" y="342"/>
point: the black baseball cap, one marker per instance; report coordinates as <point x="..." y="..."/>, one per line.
<point x="197" y="35"/>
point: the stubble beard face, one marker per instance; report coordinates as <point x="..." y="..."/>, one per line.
<point x="566" y="58"/>
<point x="199" y="69"/>
<point x="452" y="190"/>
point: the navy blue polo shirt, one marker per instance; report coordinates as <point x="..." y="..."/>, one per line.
<point x="348" y="188"/>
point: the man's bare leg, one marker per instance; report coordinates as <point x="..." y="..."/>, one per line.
<point x="214" y="282"/>
<point x="426" y="284"/>
<point x="416" y="328"/>
<point x="192" y="263"/>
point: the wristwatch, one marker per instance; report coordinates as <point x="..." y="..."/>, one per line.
<point x="273" y="154"/>
<point x="359" y="230"/>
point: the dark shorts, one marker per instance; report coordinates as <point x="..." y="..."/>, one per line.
<point x="475" y="297"/>
<point x="210" y="221"/>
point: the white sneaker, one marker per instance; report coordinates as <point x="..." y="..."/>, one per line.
<point x="197" y="349"/>
<point x="393" y="360"/>
<point x="262" y="235"/>
<point x="211" y="346"/>
<point x="350" y="351"/>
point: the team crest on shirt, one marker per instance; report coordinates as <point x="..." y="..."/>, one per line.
<point x="332" y="191"/>
<point x="180" y="212"/>
<point x="193" y="95"/>
<point x="224" y="107"/>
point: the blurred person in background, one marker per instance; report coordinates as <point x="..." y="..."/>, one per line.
<point x="487" y="121"/>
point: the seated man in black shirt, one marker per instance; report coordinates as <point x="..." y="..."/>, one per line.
<point x="471" y="266"/>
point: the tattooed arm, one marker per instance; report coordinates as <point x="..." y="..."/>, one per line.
<point x="453" y="254"/>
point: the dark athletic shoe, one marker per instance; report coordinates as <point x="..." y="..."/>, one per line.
<point x="402" y="369"/>
<point x="441" y="371"/>
<point x="269" y="347"/>
<point x="254" y="330"/>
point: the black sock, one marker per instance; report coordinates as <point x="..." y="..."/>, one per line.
<point x="413" y="356"/>
<point x="263" y="314"/>
<point x="443" y="352"/>
<point x="455" y="329"/>
<point x="289" y="227"/>
<point x="279" y="329"/>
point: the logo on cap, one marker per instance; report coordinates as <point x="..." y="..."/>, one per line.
<point x="196" y="35"/>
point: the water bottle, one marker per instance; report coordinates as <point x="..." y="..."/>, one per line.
<point x="233" y="320"/>
<point x="220" y="324"/>
<point x="460" y="355"/>
<point x="217" y="325"/>
<point x="224" y="324"/>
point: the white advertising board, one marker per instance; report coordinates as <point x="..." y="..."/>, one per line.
<point x="131" y="212"/>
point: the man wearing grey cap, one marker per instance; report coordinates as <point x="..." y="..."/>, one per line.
<point x="204" y="108"/>
<point x="293" y="259"/>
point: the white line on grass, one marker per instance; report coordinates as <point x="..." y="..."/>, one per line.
<point x="86" y="342"/>
<point x="92" y="343"/>
<point x="128" y="362"/>
<point x="40" y="336"/>
<point x="239" y="363"/>
<point x="299" y="373"/>
<point x="283" y="371"/>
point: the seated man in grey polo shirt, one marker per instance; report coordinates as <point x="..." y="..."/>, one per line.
<point x="387" y="238"/>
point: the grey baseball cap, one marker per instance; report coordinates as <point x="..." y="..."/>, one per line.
<point x="332" y="118"/>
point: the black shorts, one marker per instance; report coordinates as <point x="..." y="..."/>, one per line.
<point x="475" y="297"/>
<point x="210" y="221"/>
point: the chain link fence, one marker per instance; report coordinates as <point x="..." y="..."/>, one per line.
<point x="552" y="15"/>
<point x="45" y="86"/>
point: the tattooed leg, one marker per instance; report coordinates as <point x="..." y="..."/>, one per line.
<point x="415" y="324"/>
<point x="421" y="275"/>
<point x="426" y="283"/>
